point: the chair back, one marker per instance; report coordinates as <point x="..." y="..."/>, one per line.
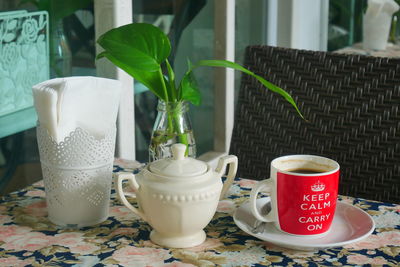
<point x="351" y="106"/>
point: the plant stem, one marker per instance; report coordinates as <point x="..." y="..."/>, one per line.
<point x="175" y="113"/>
<point x="171" y="80"/>
<point x="173" y="126"/>
<point x="164" y="87"/>
<point x="178" y="114"/>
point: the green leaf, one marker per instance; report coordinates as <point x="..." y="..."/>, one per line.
<point x="188" y="89"/>
<point x="138" y="45"/>
<point x="136" y="59"/>
<point x="149" y="79"/>
<point x="140" y="49"/>
<point x="270" y="86"/>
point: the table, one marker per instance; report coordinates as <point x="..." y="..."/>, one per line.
<point x="391" y="51"/>
<point x="28" y="238"/>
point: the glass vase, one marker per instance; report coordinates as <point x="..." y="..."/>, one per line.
<point x="172" y="126"/>
<point x="60" y="52"/>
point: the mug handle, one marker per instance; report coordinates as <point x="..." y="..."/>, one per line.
<point x="121" y="194"/>
<point x="232" y="161"/>
<point x="267" y="187"/>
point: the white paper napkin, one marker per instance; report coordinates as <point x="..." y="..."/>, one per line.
<point x="376" y="23"/>
<point x="63" y="104"/>
<point x="381" y="7"/>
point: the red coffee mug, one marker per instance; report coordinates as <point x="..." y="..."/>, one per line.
<point x="303" y="191"/>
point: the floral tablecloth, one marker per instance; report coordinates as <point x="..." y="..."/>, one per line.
<point x="27" y="238"/>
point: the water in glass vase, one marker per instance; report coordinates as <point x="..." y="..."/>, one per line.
<point x="172" y="126"/>
<point x="161" y="142"/>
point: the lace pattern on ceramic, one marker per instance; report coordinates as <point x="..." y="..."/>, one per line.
<point x="77" y="175"/>
<point x="79" y="149"/>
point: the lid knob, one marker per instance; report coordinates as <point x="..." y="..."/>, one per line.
<point x="178" y="166"/>
<point x="178" y="151"/>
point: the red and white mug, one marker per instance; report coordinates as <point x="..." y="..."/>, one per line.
<point x="303" y="191"/>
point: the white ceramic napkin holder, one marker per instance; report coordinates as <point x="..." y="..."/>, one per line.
<point x="77" y="175"/>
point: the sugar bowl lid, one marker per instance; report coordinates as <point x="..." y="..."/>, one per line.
<point x="178" y="165"/>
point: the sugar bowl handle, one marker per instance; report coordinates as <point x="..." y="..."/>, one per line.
<point x="232" y="162"/>
<point x="121" y="194"/>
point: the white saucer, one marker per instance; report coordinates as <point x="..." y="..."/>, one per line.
<point x="349" y="225"/>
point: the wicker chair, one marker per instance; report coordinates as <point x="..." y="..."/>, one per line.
<point x="351" y="104"/>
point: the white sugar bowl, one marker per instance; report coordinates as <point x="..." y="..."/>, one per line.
<point x="178" y="196"/>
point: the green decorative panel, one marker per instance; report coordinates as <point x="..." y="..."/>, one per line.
<point x="24" y="61"/>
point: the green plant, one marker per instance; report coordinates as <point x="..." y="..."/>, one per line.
<point x="142" y="51"/>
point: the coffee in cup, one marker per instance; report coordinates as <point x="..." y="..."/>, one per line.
<point x="303" y="190"/>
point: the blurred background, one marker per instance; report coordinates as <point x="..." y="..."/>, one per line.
<point x="308" y="24"/>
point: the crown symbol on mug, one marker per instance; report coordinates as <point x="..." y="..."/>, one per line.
<point x="318" y="186"/>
